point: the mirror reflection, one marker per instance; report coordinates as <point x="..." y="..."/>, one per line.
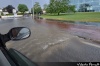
<point x="19" y="33"/>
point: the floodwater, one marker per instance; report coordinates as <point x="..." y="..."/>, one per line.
<point x="86" y="30"/>
<point x="56" y="41"/>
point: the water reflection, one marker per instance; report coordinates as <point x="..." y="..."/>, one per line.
<point x="89" y="23"/>
<point x="88" y="30"/>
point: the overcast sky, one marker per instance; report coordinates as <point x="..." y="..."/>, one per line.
<point x="4" y="3"/>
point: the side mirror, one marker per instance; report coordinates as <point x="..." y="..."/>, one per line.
<point x="19" y="33"/>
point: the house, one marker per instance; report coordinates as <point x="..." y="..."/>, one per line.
<point x="44" y="11"/>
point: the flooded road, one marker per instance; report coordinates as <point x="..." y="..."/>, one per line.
<point x="56" y="41"/>
<point x="87" y="30"/>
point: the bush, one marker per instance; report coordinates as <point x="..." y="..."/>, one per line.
<point x="2" y="14"/>
<point x="20" y="14"/>
<point x="10" y="14"/>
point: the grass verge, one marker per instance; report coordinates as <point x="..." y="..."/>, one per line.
<point x="78" y="16"/>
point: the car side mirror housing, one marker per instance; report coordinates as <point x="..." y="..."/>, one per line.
<point x="19" y="33"/>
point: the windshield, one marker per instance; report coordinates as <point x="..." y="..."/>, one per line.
<point x="61" y="30"/>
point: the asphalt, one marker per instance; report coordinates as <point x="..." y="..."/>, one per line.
<point x="50" y="42"/>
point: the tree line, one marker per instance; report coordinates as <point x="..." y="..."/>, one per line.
<point x="21" y="7"/>
<point x="59" y="6"/>
<point x="55" y="6"/>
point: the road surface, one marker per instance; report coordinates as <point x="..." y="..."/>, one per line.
<point x="51" y="41"/>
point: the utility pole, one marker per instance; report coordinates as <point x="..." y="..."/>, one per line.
<point x="78" y="4"/>
<point x="33" y="9"/>
<point x="0" y="12"/>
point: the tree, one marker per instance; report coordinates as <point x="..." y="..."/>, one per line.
<point x="50" y="9"/>
<point x="57" y="6"/>
<point x="84" y="7"/>
<point x="37" y="8"/>
<point x="22" y="8"/>
<point x="9" y="9"/>
<point x="71" y="8"/>
<point x="45" y="6"/>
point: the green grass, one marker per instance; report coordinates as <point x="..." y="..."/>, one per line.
<point x="9" y="14"/>
<point x="79" y="16"/>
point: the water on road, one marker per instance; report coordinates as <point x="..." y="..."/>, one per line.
<point x="56" y="41"/>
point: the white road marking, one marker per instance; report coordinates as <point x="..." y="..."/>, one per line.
<point x="54" y="43"/>
<point x="91" y="44"/>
